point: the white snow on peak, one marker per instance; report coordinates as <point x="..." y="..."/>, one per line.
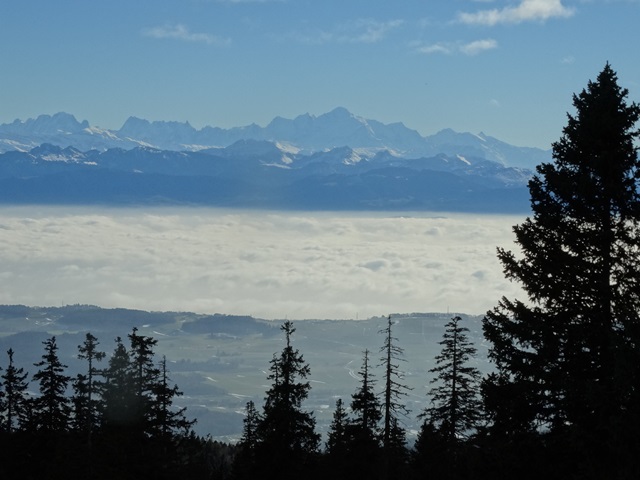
<point x="461" y="158"/>
<point x="97" y="131"/>
<point x="276" y="165"/>
<point x="370" y="152"/>
<point x="140" y="143"/>
<point x="287" y="148"/>
<point x="7" y="145"/>
<point x="352" y="159"/>
<point x="52" y="157"/>
<point x="195" y="147"/>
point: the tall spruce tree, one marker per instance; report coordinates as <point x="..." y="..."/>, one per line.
<point x="393" y="407"/>
<point x="51" y="410"/>
<point x="166" y="422"/>
<point x="363" y="433"/>
<point x="366" y="408"/>
<point x="119" y="392"/>
<point x="394" y="390"/>
<point x="136" y="394"/>
<point x="245" y="465"/>
<point x="85" y="400"/>
<point x="146" y="375"/>
<point x="250" y="423"/>
<point x="338" y="459"/>
<point x="288" y="441"/>
<point x="337" y="436"/>
<point x="455" y="405"/>
<point x="14" y="399"/>
<point x="567" y="356"/>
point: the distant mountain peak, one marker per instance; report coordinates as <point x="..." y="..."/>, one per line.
<point x="303" y="134"/>
<point x="134" y="122"/>
<point x="340" y="112"/>
<point x="49" y="152"/>
<point x="58" y="123"/>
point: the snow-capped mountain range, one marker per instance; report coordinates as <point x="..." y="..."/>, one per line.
<point x="304" y="134"/>
<point x="333" y="161"/>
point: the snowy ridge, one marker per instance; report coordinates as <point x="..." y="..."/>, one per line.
<point x="262" y="174"/>
<point x="308" y="134"/>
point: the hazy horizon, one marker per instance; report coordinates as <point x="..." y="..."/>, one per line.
<point x="269" y="264"/>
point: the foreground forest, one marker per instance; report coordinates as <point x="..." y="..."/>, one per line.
<point x="562" y="399"/>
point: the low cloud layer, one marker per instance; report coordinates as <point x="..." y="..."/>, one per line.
<point x="266" y="264"/>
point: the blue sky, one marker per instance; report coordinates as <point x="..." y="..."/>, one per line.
<point x="507" y="68"/>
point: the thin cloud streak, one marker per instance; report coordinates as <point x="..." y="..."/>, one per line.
<point x="368" y="30"/>
<point x="363" y="30"/>
<point x="270" y="265"/>
<point x="525" y="11"/>
<point x="472" y="48"/>
<point x="181" y="32"/>
<point x="442" y="48"/>
<point x="478" y="46"/>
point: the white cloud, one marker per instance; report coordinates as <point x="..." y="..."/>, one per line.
<point x="181" y="32"/>
<point x="368" y="30"/>
<point x="478" y="46"/>
<point x="436" y="48"/>
<point x="525" y="11"/>
<point x="269" y="265"/>
<point x="471" y="48"/>
<point x="363" y="30"/>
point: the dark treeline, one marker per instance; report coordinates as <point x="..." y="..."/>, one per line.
<point x="116" y="420"/>
<point x="562" y="401"/>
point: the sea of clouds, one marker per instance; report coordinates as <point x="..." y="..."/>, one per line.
<point x="275" y="265"/>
